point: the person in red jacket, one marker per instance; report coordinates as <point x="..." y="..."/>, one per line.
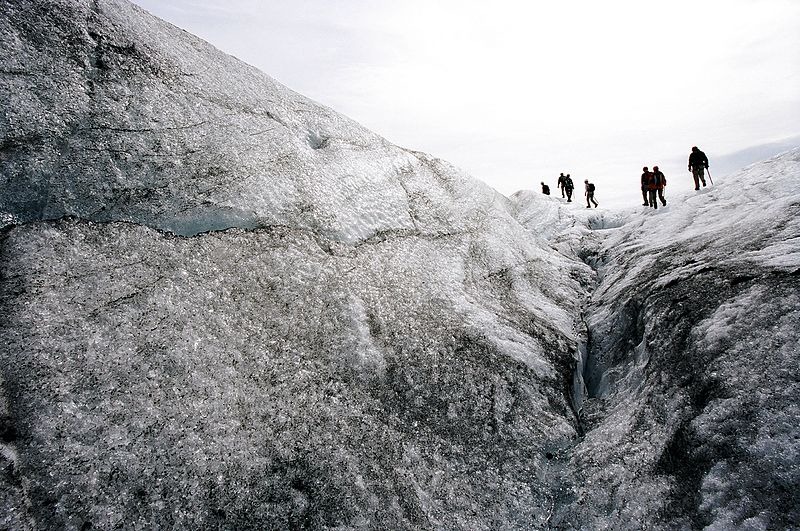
<point x="652" y="189"/>
<point x="661" y="182"/>
<point x="646" y="175"/>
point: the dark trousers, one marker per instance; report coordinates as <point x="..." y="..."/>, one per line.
<point x="699" y="176"/>
<point x="661" y="196"/>
<point x="569" y="193"/>
<point x="590" y="197"/>
<point x="651" y="198"/>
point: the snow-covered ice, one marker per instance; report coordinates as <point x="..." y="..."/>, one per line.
<point x="693" y="381"/>
<point x="224" y="305"/>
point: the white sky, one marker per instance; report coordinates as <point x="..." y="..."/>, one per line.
<point x="515" y="92"/>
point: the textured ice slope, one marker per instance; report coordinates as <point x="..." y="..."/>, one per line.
<point x="693" y="415"/>
<point x="378" y="343"/>
<point x="111" y="114"/>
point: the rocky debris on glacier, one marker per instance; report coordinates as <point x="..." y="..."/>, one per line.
<point x="227" y="306"/>
<point x="374" y="341"/>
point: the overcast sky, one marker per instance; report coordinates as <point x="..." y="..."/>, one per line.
<point x="515" y="92"/>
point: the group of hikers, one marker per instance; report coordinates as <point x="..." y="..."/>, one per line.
<point x="653" y="182"/>
<point x="567" y="187"/>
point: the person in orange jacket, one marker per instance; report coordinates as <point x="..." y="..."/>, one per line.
<point x="661" y="182"/>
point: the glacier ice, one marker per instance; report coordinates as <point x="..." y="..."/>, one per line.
<point x="692" y="420"/>
<point x="224" y="305"/>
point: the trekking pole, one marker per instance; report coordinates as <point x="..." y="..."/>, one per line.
<point x="709" y="176"/>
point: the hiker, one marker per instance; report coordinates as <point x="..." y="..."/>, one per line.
<point x="545" y="189"/>
<point x="569" y="186"/>
<point x="652" y="188"/>
<point x="561" y="180"/>
<point x="646" y="175"/>
<point x="661" y="182"/>
<point x="698" y="163"/>
<point x="589" y="193"/>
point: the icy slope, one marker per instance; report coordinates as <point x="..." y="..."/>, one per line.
<point x="693" y="416"/>
<point x="377" y="340"/>
<point x="378" y="343"/>
<point x="111" y="114"/>
<point x="252" y="380"/>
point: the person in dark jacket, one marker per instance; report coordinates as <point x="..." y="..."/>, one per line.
<point x="545" y="189"/>
<point x="661" y="182"/>
<point x="569" y="186"/>
<point x="645" y="182"/>
<point x="698" y="163"/>
<point x="589" y="193"/>
<point x="561" y="180"/>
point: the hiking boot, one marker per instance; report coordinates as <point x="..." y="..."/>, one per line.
<point x="645" y="204"/>
<point x="663" y="203"/>
<point x="587" y="206"/>
<point x="596" y="205"/>
<point x="697" y="188"/>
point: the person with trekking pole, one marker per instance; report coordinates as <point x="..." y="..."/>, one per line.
<point x="698" y="163"/>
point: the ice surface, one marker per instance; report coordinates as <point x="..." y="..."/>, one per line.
<point x="256" y="362"/>
<point x="226" y="306"/>
<point x="374" y="341"/>
<point x="132" y="119"/>
<point x="692" y="419"/>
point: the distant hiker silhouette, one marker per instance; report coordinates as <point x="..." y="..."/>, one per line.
<point x="569" y="186"/>
<point x="561" y="181"/>
<point x="661" y="182"/>
<point x="545" y="189"/>
<point x="646" y="176"/>
<point x="698" y="163"/>
<point x="589" y="193"/>
<point x="652" y="188"/>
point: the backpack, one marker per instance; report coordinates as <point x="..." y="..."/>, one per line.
<point x="568" y="183"/>
<point x="591" y="187"/>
